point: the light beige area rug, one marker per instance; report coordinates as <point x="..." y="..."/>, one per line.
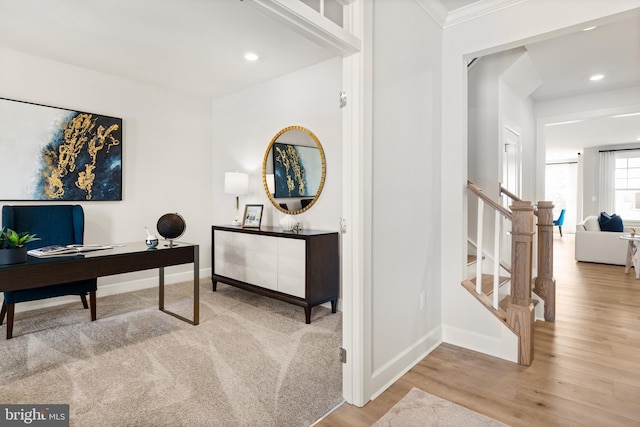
<point x="421" y="409"/>
<point x="252" y="361"/>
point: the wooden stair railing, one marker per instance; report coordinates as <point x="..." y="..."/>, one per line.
<point x="517" y="309"/>
<point x="488" y="200"/>
<point x="545" y="284"/>
<point x="509" y="194"/>
<point x="499" y="212"/>
<point x="521" y="310"/>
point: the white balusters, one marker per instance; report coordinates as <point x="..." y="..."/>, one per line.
<point x="479" y="248"/>
<point x="496" y="258"/>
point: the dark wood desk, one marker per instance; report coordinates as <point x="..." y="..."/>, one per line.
<point x="127" y="258"/>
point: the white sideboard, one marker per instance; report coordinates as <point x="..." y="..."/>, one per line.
<point x="300" y="268"/>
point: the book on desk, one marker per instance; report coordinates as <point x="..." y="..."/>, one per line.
<point x="60" y="250"/>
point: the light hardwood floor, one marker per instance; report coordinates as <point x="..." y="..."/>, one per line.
<point x="586" y="368"/>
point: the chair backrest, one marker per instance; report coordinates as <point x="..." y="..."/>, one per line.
<point x="53" y="224"/>
<point x="560" y="220"/>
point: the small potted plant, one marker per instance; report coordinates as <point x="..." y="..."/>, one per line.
<point x="12" y="246"/>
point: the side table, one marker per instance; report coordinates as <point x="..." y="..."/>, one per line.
<point x="632" y="254"/>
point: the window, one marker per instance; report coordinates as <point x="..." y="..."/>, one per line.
<point x="561" y="187"/>
<point x="627" y="184"/>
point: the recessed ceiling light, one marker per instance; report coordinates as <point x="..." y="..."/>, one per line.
<point x="596" y="77"/>
<point x="589" y="28"/>
<point x="250" y="56"/>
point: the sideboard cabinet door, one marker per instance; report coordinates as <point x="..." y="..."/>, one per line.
<point x="291" y="267"/>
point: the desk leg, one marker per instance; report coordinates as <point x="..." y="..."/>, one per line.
<point x="629" y="256"/>
<point x="161" y="288"/>
<point x="196" y="290"/>
<point x="196" y="285"/>
<point x="636" y="261"/>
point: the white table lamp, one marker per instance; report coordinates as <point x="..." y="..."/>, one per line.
<point x="236" y="183"/>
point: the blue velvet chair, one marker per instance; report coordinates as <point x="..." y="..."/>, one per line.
<point x="54" y="225"/>
<point x="560" y="221"/>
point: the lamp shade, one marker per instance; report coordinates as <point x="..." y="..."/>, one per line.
<point x="236" y="183"/>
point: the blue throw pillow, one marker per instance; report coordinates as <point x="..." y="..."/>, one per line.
<point x="610" y="222"/>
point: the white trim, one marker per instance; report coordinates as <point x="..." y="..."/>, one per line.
<point x="352" y="239"/>
<point x="506" y="123"/>
<point x="435" y="9"/>
<point x="351" y="328"/>
<point x="364" y="195"/>
<point x="433" y="339"/>
<point x="444" y="18"/>
<point x="504" y="347"/>
<point x="304" y="20"/>
<point x="478" y="9"/>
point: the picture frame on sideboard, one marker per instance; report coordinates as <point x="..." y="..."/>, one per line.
<point x="252" y="217"/>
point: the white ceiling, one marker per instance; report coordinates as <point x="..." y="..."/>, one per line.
<point x="191" y="45"/>
<point x="198" y="46"/>
<point x="565" y="65"/>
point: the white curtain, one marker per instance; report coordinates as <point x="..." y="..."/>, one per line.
<point x="607" y="188"/>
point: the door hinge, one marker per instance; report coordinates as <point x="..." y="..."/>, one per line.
<point x="343" y="355"/>
<point x="342" y="224"/>
<point x="343" y="99"/>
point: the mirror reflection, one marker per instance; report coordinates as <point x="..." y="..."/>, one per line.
<point x="293" y="170"/>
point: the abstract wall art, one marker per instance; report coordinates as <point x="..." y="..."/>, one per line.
<point x="297" y="170"/>
<point x="55" y="154"/>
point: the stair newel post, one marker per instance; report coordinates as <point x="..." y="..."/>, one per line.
<point x="520" y="311"/>
<point x="545" y="284"/>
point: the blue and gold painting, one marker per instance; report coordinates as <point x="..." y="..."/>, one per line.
<point x="297" y="170"/>
<point x="50" y="153"/>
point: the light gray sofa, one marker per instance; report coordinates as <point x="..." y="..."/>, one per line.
<point x="605" y="247"/>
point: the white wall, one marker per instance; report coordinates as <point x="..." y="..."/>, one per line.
<point x="499" y="87"/>
<point x="166" y="153"/>
<point x="245" y="122"/>
<point x="405" y="228"/>
<point x="503" y="29"/>
<point x="484" y="114"/>
<point x="516" y="112"/>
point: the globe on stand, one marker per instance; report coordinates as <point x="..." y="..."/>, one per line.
<point x="171" y="226"/>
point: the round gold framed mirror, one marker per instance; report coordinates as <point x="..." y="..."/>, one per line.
<point x="293" y="170"/>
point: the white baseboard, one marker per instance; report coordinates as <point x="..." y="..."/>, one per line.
<point x="504" y="346"/>
<point x="391" y="371"/>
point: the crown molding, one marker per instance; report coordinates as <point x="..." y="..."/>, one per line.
<point x="434" y="8"/>
<point x="466" y="13"/>
<point x="309" y="23"/>
<point x="478" y="9"/>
